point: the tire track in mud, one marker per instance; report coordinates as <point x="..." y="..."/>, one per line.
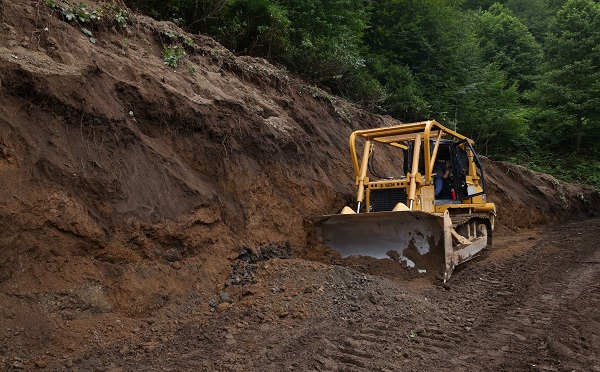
<point x="370" y="347"/>
<point x="365" y="324"/>
<point x="525" y="313"/>
<point x="382" y="333"/>
<point x="520" y="312"/>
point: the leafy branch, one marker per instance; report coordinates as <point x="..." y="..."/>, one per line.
<point x="78" y="13"/>
<point x="83" y="15"/>
<point x="172" y="54"/>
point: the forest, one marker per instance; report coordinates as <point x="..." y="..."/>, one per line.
<point x="520" y="77"/>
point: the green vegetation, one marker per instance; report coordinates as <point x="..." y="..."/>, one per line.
<point x="521" y="77"/>
<point x="78" y="13"/>
<point x="81" y="14"/>
<point x="178" y="47"/>
<point x="117" y="12"/>
<point x="172" y="54"/>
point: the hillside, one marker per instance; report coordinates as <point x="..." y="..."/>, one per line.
<point x="130" y="188"/>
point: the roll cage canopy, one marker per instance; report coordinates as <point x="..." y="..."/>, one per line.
<point x="398" y="136"/>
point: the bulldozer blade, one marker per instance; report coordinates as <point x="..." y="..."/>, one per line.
<point x="419" y="239"/>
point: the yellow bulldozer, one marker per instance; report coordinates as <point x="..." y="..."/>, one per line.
<point x="432" y="216"/>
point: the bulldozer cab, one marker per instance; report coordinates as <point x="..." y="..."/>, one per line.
<point x="460" y="158"/>
<point x="417" y="147"/>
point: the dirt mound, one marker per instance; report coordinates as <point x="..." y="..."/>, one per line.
<point x="525" y="198"/>
<point x="129" y="187"/>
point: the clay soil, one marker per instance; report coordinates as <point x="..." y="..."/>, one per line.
<point x="159" y="218"/>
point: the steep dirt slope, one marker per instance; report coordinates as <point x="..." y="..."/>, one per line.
<point x="525" y="198"/>
<point x="128" y="185"/>
<point x="129" y="188"/>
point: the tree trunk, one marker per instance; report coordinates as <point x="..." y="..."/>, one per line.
<point x="578" y="133"/>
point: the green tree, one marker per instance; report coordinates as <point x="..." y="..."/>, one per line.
<point x="194" y="15"/>
<point x="507" y="42"/>
<point x="428" y="59"/>
<point x="255" y="27"/>
<point x="479" y="4"/>
<point x="318" y="39"/>
<point x="490" y="112"/>
<point x="418" y="54"/>
<point x="570" y="85"/>
<point x="535" y="14"/>
<point x="404" y="98"/>
<point x="326" y="37"/>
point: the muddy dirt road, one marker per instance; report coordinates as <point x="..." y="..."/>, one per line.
<point x="530" y="303"/>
